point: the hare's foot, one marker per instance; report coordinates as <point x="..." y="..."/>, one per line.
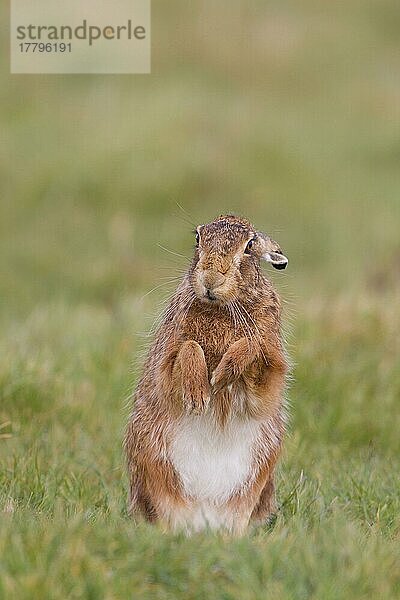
<point x="195" y="401"/>
<point x="194" y="378"/>
<point x="205" y="515"/>
<point x="233" y="363"/>
<point x="223" y="375"/>
<point x="266" y="505"/>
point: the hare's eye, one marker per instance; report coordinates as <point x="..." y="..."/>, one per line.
<point x="197" y="238"/>
<point x="249" y="247"/>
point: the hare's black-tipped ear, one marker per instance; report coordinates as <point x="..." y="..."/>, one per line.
<point x="277" y="259"/>
<point x="271" y="251"/>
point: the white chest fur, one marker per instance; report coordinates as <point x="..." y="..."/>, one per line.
<point x="213" y="462"/>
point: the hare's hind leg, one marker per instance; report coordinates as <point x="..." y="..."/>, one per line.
<point x="253" y="507"/>
<point x="140" y="503"/>
<point x="266" y="505"/>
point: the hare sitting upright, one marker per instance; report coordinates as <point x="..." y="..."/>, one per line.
<point x="208" y="417"/>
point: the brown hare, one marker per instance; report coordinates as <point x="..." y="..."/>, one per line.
<point x="208" y="417"/>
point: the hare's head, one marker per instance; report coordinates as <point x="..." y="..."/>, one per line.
<point x="226" y="264"/>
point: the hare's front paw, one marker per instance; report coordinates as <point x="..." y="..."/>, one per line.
<point x="224" y="374"/>
<point x="195" y="401"/>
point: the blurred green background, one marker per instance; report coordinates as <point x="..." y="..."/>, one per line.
<point x="287" y="113"/>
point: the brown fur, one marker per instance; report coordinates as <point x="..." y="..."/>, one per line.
<point x="208" y="355"/>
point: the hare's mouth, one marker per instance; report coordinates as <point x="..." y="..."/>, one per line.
<point x="209" y="290"/>
<point x="210" y="295"/>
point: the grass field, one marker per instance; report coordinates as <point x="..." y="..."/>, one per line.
<point x="287" y="113"/>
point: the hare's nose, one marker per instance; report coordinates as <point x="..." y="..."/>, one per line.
<point x="212" y="279"/>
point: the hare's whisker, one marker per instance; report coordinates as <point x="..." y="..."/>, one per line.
<point x="173" y="252"/>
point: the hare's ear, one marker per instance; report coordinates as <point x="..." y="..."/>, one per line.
<point x="271" y="252"/>
<point x="277" y="259"/>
